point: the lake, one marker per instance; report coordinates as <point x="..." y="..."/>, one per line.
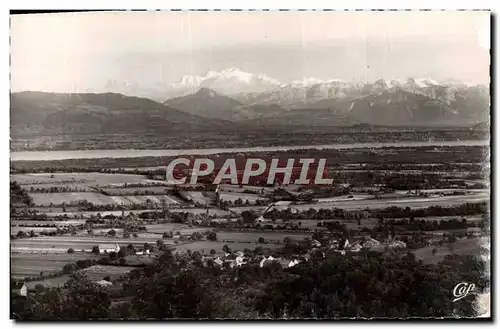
<point x="98" y="154"/>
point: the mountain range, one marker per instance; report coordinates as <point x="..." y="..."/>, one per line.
<point x="39" y="112"/>
<point x="336" y="103"/>
<point x="232" y="99"/>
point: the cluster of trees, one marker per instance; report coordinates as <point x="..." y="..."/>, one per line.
<point x="58" y="231"/>
<point x="466" y="209"/>
<point x="57" y="189"/>
<point x="368" y="284"/>
<point x="18" y="197"/>
<point x="427" y="225"/>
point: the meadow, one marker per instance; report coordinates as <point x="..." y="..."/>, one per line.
<point x="49" y="199"/>
<point x="461" y="246"/>
<point x="94" y="273"/>
<point x="30" y="264"/>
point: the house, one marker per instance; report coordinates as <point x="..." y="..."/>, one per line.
<point x="316" y="243"/>
<point x="371" y="243"/>
<point x="261" y="219"/>
<point x="104" y="283"/>
<point x="240" y="260"/>
<point x="19" y="289"/>
<point x="396" y="244"/>
<point x="270" y="258"/>
<point x="107" y="248"/>
<point x="346" y="244"/>
<point x="293" y="263"/>
<point x="355" y="247"/>
<point x="218" y="261"/>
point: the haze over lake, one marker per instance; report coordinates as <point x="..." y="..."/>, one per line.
<point x="98" y="154"/>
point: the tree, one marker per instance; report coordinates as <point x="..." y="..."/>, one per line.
<point x="261" y="240"/>
<point x="386" y="230"/>
<point x="212" y="236"/>
<point x="196" y="236"/>
<point x="69" y="268"/>
<point x="226" y="249"/>
<point x="258" y="250"/>
<point x="95" y="250"/>
<point x="112" y="233"/>
<point x="71" y="250"/>
<point x="212" y="252"/>
<point x="248" y="216"/>
<point x="107" y="278"/>
<point x="393" y="231"/>
<point x="131" y="248"/>
<point x="80" y="299"/>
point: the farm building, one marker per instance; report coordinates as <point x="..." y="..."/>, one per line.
<point x="293" y="263"/>
<point x="218" y="261"/>
<point x="371" y="243"/>
<point x="104" y="283"/>
<point x="396" y="244"/>
<point x="107" y="248"/>
<point x="355" y="247"/>
<point x="264" y="260"/>
<point x="19" y="289"/>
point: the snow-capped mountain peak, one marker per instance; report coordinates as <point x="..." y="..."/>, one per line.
<point x="228" y="81"/>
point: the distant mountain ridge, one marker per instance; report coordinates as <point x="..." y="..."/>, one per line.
<point x="206" y="103"/>
<point x="245" y="87"/>
<point x="378" y="103"/>
<point x="218" y="100"/>
<point x="99" y="114"/>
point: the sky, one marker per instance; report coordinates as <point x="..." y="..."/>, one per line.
<point x="69" y="52"/>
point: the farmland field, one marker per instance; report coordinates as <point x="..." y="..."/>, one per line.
<point x="15" y="229"/>
<point x="88" y="214"/>
<point x="312" y="224"/>
<point x="26" y="264"/>
<point x="49" y="283"/>
<point x="47" y="199"/>
<point x="445" y="201"/>
<point x="97" y="272"/>
<point x="94" y="273"/>
<point x="93" y="178"/>
<point x="254" y="236"/>
<point x="462" y="247"/>
<point x="137" y="190"/>
<point x="60" y="244"/>
<point x="196" y="196"/>
<point x="47" y="222"/>
<point x="167" y="227"/>
<point x="233" y="196"/>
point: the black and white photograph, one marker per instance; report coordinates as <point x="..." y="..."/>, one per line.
<point x="250" y="165"/>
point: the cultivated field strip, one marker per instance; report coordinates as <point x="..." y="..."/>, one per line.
<point x="48" y="199"/>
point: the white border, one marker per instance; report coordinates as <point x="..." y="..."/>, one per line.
<point x="186" y="4"/>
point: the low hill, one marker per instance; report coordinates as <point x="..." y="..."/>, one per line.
<point x="98" y="113"/>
